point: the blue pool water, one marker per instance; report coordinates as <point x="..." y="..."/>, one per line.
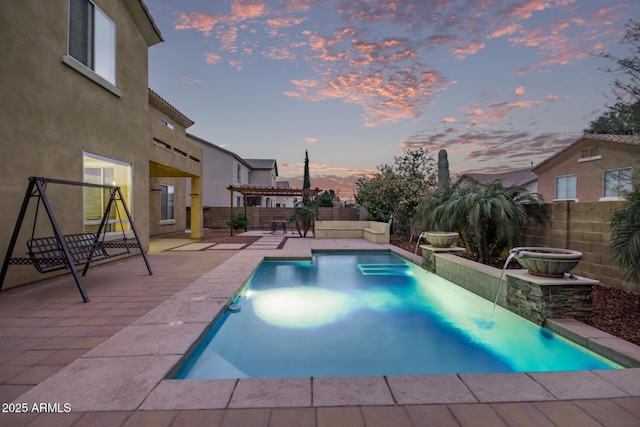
<point x="371" y="314"/>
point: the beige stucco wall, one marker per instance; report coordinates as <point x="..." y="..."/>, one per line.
<point x="590" y="174"/>
<point x="156" y="225"/>
<point x="174" y="158"/>
<point x="50" y="114"/>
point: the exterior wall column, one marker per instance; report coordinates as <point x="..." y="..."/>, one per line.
<point x="196" y="208"/>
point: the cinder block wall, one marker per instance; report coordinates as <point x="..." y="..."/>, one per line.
<point x="260" y="218"/>
<point x="583" y="227"/>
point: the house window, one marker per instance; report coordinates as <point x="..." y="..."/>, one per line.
<point x="238" y="201"/>
<point x="617" y="182"/>
<point x="92" y="39"/>
<point x="589" y="152"/>
<point x="105" y="171"/>
<point x="166" y="123"/>
<point x="238" y="173"/>
<point x="566" y="187"/>
<point x="166" y="202"/>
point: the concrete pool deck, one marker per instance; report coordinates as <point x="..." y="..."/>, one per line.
<point x="108" y="359"/>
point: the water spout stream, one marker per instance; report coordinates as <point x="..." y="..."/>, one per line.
<point x="415" y="253"/>
<point x="512" y="253"/>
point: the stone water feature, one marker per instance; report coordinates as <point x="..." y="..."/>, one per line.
<point x="440" y="239"/>
<point x="547" y="262"/>
<point x="534" y="297"/>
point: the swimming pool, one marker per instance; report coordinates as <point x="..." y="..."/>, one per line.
<point x="370" y="313"/>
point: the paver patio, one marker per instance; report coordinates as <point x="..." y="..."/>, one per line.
<point x="108" y="359"/>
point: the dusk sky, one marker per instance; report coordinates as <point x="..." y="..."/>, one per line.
<point x="498" y="84"/>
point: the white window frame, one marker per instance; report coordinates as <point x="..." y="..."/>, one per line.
<point x="167" y="204"/>
<point x="566" y="193"/>
<point x="98" y="63"/>
<point x="619" y="191"/>
<point x="122" y="178"/>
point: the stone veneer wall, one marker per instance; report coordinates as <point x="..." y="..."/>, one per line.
<point x="537" y="302"/>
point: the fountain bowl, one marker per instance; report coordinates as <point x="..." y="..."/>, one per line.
<point x="440" y="239"/>
<point x="547" y="262"/>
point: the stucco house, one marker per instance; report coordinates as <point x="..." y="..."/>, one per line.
<point x="592" y="168"/>
<point x="222" y="168"/>
<point x="285" y="201"/>
<point x="263" y="173"/>
<point x="76" y="106"/>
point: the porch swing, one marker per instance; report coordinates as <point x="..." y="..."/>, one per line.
<point x="69" y="251"/>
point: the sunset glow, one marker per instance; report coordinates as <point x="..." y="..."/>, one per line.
<point x="497" y="84"/>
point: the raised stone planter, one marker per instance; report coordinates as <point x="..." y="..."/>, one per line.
<point x="547" y="262"/>
<point x="539" y="298"/>
<point x="535" y="298"/>
<point x="440" y="239"/>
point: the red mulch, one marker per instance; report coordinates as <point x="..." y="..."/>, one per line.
<point x="615" y="311"/>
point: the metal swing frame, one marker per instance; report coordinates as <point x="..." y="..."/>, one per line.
<point x="71" y="250"/>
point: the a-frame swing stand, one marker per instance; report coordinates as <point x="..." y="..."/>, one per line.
<point x="71" y="250"/>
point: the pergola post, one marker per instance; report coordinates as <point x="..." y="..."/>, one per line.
<point x="231" y="213"/>
<point x="246" y="219"/>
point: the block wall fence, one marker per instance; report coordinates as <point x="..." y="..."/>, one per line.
<point x="582" y="227"/>
<point x="260" y="218"/>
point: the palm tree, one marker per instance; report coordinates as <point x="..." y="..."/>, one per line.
<point x="625" y="236"/>
<point x="490" y="218"/>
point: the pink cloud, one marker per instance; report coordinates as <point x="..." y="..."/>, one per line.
<point x="278" y="53"/>
<point x="505" y="31"/>
<point x="212" y="58"/>
<point x="525" y="9"/>
<point x="471" y="48"/>
<point x="203" y="22"/>
<point x="285" y="22"/>
<point x="247" y="9"/>
<point x="394" y="78"/>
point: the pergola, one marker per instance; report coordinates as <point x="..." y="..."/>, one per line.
<point x="259" y="191"/>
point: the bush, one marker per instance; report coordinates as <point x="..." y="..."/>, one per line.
<point x="239" y="222"/>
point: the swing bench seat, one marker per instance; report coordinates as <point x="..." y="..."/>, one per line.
<point x="46" y="253"/>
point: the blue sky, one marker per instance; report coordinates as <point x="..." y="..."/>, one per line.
<point x="498" y="84"/>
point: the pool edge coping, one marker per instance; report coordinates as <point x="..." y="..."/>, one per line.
<point x="167" y="394"/>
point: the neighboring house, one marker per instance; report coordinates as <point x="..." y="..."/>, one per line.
<point x="284" y="201"/>
<point x="592" y="168"/>
<point x="76" y="106"/>
<point x="222" y="168"/>
<point x="263" y="173"/>
<point x="518" y="177"/>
